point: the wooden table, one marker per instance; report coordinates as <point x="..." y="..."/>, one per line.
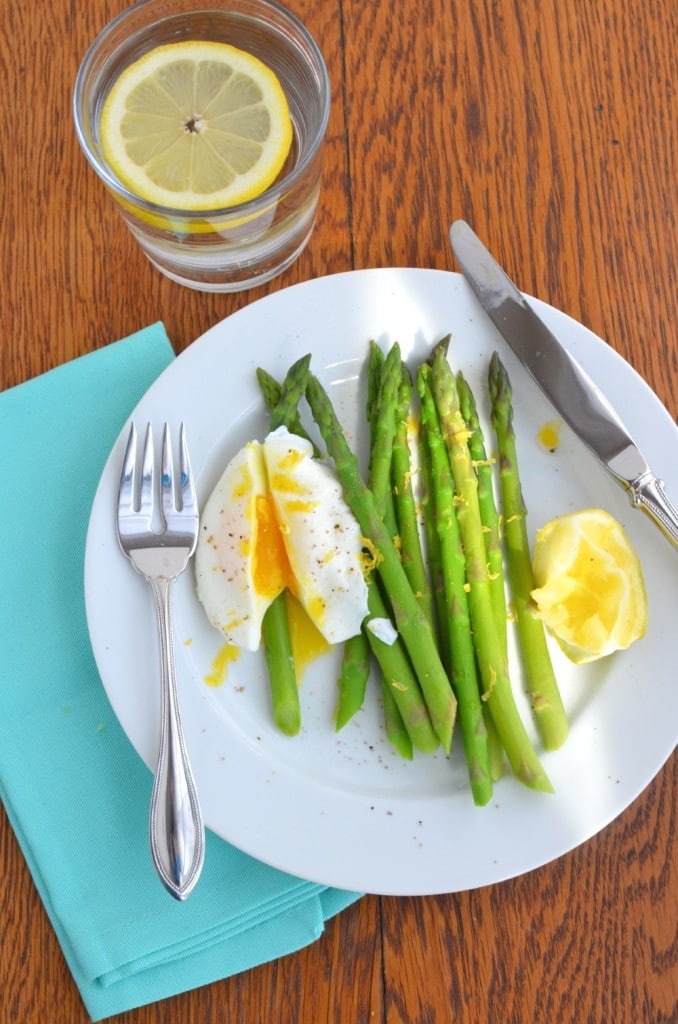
<point x="551" y="127"/>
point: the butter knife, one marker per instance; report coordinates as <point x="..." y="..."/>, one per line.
<point x="565" y="383"/>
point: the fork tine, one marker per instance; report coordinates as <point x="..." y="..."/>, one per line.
<point x="167" y="480"/>
<point x="189" y="501"/>
<point x="146" y="490"/>
<point x="126" y="486"/>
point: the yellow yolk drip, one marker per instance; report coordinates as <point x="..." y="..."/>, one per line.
<point x="292" y="459"/>
<point x="299" y="506"/>
<point x="225" y="656"/>
<point x="271" y="571"/>
<point x="549" y="434"/>
<point x="244" y="484"/>
<point x="285" y="484"/>
<point x="284" y="480"/>
<point x="413" y="425"/>
<point x="307" y="642"/>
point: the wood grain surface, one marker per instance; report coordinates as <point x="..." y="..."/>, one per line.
<point x="553" y="128"/>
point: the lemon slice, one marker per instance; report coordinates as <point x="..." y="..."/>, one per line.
<point x="196" y="126"/>
<point x="590" y="590"/>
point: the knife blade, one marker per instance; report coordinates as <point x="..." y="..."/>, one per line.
<point x="569" y="388"/>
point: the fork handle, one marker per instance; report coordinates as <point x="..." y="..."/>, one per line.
<point x="176" y="830"/>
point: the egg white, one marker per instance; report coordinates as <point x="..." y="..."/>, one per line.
<point x="223" y="557"/>
<point x="321" y="536"/>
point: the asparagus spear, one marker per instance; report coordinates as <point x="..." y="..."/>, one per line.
<point x="411" y="554"/>
<point x="546" y="700"/>
<point x="394" y="726"/>
<point x="353" y="676"/>
<point x="270" y="390"/>
<point x="411" y="621"/>
<point x="493" y="550"/>
<point x="486" y="502"/>
<point x="375" y="364"/>
<point x="433" y="545"/>
<point x="285" y="411"/>
<point x="495" y="751"/>
<point x="356" y="655"/>
<point x="399" y="679"/>
<point x="275" y="633"/>
<point x="462" y="666"/>
<point x="380" y="434"/>
<point x="492" y="659"/>
<point x="383" y="429"/>
<point x="275" y="630"/>
<point x="355" y="664"/>
<point x="433" y="541"/>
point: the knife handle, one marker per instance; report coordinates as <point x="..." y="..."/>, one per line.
<point x="648" y="494"/>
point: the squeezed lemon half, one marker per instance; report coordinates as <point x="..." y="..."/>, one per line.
<point x="197" y="126"/>
<point x="590" y="590"/>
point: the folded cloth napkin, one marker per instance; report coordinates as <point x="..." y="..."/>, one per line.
<point x="75" y="791"/>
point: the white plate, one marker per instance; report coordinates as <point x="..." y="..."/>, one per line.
<point x="342" y="809"/>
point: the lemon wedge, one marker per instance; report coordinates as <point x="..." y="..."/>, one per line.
<point x="196" y="125"/>
<point x="590" y="590"/>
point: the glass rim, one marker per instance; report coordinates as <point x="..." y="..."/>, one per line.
<point x="250" y="206"/>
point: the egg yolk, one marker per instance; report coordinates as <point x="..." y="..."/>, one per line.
<point x="308" y="643"/>
<point x="220" y="663"/>
<point x="549" y="434"/>
<point x="271" y="571"/>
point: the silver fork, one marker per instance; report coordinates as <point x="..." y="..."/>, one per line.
<point x="176" y="830"/>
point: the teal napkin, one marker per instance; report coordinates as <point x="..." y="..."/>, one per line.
<point x="76" y="793"/>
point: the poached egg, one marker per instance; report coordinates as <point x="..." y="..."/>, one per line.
<point x="277" y="520"/>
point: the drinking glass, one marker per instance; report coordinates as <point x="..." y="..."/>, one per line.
<point x="236" y="247"/>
